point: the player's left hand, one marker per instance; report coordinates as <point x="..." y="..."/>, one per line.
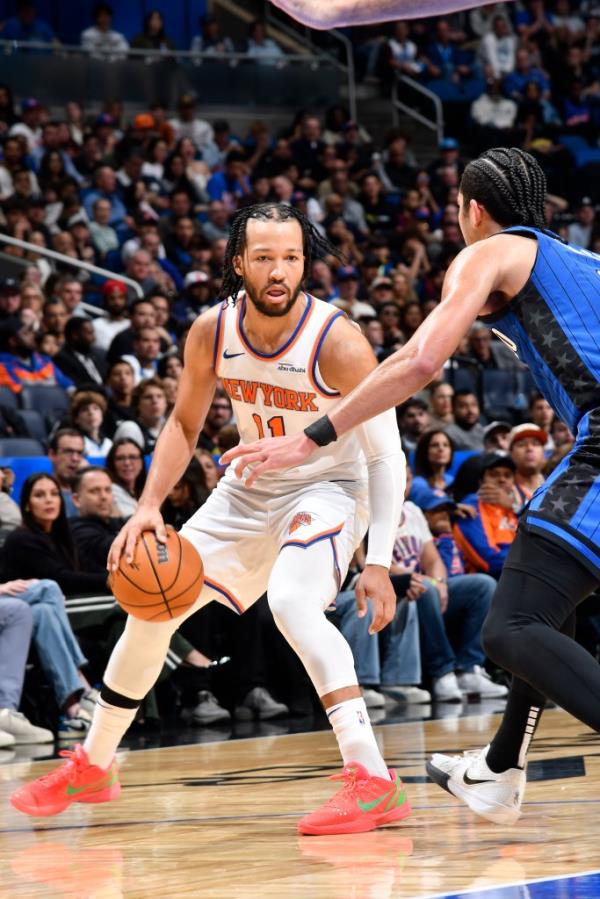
<point x="374" y="584"/>
<point x="269" y="454"/>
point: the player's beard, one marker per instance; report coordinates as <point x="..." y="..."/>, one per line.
<point x="265" y="308"/>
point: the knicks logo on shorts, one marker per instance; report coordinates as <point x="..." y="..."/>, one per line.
<point x="298" y="520"/>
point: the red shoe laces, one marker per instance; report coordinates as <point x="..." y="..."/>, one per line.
<point x="65" y="772"/>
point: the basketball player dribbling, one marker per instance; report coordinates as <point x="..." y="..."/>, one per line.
<point x="543" y="299"/>
<point x="284" y="358"/>
<point x="340" y="13"/>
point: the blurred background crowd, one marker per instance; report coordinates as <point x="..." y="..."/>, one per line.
<point x="90" y="362"/>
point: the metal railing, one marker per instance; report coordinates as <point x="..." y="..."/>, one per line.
<point x="304" y="34"/>
<point x="434" y="124"/>
<point x="68" y="260"/>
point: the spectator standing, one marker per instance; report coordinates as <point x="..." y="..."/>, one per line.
<point x="100" y="40"/>
<point x="467" y="430"/>
<point x="497" y="49"/>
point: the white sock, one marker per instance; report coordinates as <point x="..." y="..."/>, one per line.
<point x="355" y="736"/>
<point x="106" y="732"/>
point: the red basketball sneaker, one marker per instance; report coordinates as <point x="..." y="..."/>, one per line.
<point x="75" y="781"/>
<point x="363" y="803"/>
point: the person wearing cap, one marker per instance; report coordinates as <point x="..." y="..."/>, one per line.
<point x="188" y="124"/>
<point x="526" y="444"/>
<point x="114" y="303"/>
<point x="10" y="299"/>
<point x="20" y="364"/>
<point x="496" y="437"/>
<point x="100" y="40"/>
<point x="196" y="297"/>
<point x="485" y="539"/>
<point x="580" y="231"/>
<point x="347" y="279"/>
<point x="381" y="291"/>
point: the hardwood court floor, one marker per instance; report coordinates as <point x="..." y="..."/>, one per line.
<point x="219" y="820"/>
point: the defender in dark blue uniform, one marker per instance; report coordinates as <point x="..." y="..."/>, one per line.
<point x="542" y="298"/>
<point x="553" y="324"/>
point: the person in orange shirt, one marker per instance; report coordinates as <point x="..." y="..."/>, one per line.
<point x="485" y="539"/>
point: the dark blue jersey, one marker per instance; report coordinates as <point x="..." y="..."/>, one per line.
<point x="554" y="324"/>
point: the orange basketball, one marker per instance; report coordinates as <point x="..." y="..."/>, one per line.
<point x="163" y="580"/>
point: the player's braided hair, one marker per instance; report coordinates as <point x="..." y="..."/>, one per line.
<point x="510" y="184"/>
<point x="314" y="244"/>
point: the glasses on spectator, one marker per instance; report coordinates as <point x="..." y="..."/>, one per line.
<point x="132" y="458"/>
<point x="70" y="452"/>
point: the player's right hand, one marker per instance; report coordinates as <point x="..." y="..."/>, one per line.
<point x="145" y="519"/>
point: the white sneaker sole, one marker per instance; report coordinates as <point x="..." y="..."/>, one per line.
<point x="496" y="812"/>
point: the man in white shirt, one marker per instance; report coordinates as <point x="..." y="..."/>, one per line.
<point x="262" y="48"/>
<point x="497" y="49"/>
<point x="100" y="41"/>
<point x="188" y="125"/>
<point x="493" y="110"/>
<point x="29" y="126"/>
<point x="117" y="319"/>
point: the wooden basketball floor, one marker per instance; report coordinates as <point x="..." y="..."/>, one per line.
<point x="219" y="819"/>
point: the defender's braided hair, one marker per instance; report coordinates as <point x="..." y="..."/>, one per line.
<point x="314" y="244"/>
<point x="510" y="184"/>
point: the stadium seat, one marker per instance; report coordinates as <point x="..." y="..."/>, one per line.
<point x="8" y="399"/>
<point x="35" y="424"/>
<point x="23" y="466"/>
<point x="51" y="402"/>
<point x="20" y="446"/>
<point x="499" y="393"/>
<point x="462" y="379"/>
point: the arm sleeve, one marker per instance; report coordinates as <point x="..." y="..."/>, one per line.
<point x="380" y="441"/>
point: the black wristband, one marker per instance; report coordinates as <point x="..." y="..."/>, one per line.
<point x="321" y="431"/>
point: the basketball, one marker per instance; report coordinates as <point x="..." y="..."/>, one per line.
<point x="163" y="579"/>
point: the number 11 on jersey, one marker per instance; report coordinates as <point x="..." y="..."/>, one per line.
<point x="275" y="425"/>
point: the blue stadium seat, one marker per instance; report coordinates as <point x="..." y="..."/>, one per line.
<point x="499" y="393"/>
<point x="51" y="402"/>
<point x="8" y="399"/>
<point x="20" y="446"/>
<point x="35" y="424"/>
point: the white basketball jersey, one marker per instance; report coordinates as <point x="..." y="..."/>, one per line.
<point x="280" y="393"/>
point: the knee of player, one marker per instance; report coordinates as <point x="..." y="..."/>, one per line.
<point x="284" y="601"/>
<point x="496" y="639"/>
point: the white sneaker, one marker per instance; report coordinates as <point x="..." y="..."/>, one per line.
<point x="446" y="689"/>
<point x="207" y="710"/>
<point x="373" y="698"/>
<point x="478" y="682"/>
<point x="88" y="701"/>
<point x="260" y="704"/>
<point x="22" y="729"/>
<point x="6" y="739"/>
<point x="408" y="694"/>
<point x="497" y="797"/>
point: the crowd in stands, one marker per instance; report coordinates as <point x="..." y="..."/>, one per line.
<point x="89" y="365"/>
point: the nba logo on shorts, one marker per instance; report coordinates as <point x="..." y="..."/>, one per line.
<point x="298" y="520"/>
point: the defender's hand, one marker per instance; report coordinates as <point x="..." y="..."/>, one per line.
<point x="145" y="519"/>
<point x="270" y="454"/>
<point x="374" y="584"/>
